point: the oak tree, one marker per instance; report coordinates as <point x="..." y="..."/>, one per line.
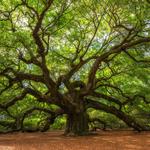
<point x="75" y="55"/>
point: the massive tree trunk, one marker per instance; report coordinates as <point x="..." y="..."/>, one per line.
<point x="77" y="117"/>
<point x="77" y="124"/>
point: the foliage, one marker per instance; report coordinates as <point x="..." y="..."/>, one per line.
<point x="66" y="57"/>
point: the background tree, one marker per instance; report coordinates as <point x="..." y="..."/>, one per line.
<point x="74" y="56"/>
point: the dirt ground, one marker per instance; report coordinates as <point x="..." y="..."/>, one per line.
<point x="110" y="140"/>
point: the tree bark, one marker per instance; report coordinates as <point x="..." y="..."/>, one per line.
<point x="77" y="124"/>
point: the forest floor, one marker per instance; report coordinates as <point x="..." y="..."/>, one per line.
<point x="109" y="140"/>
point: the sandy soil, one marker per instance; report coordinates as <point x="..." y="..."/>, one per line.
<point x="110" y="140"/>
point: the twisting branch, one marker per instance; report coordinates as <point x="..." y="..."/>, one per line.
<point x="38" y="26"/>
<point x="114" y="50"/>
<point x="118" y="113"/>
<point x="107" y="97"/>
<point x="134" y="59"/>
<point x="14" y="100"/>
